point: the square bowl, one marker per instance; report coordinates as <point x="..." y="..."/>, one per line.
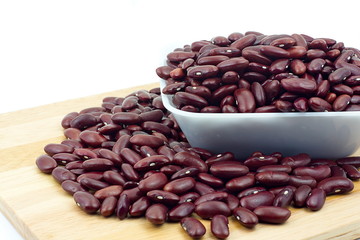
<point x="320" y="134"/>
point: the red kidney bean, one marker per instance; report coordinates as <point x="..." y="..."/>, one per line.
<point x="279" y="66"/>
<point x="84" y="153"/>
<point x="255" y="162"/>
<point x="339" y="75"/>
<point x="181" y="211"/>
<point x="210" y="180"/>
<point x="298" y="181"/>
<point x="169" y="170"/>
<point x="133" y="194"/>
<point x="337" y="171"/>
<point x="284" y="197"/>
<point x="252" y="201"/>
<point x="87" y="202"/>
<point x="272" y="179"/>
<point x="65" y="122"/>
<point x="245" y="217"/>
<point x="341" y="102"/>
<point x="126" y="118"/>
<point x="349" y="160"/>
<point x="61" y="174"/>
<point x="219" y="226"/>
<point x="156" y="214"/>
<point x="226" y="156"/>
<point x="83" y="121"/>
<point x="244" y="42"/>
<point x="336" y="185"/>
<point x="301" y="194"/>
<point x="351" y="171"/>
<point x="189" y="197"/>
<point x="249" y="191"/>
<point x="342" y="89"/>
<point x="72" y="133"/>
<point x="255" y="56"/>
<point x="259" y="94"/>
<point x="97" y="164"/>
<point x="122" y="208"/>
<point x="193" y="227"/>
<point x="202" y="188"/>
<point x="180" y="186"/>
<point x="113" y="177"/>
<point x="317" y="172"/>
<point x="108" y="206"/>
<point x="316" y="199"/>
<point x="212" y="196"/>
<point x="148" y="140"/>
<point x="228" y="169"/>
<point x="178" y="56"/>
<point x="297" y="52"/>
<point x="275" y="168"/>
<point x="271" y="89"/>
<point x="299" y="85"/>
<point x="185" y="172"/>
<point x="323" y="88"/>
<point x="130" y="156"/>
<point x="319" y="104"/>
<point x="113" y="190"/>
<point x="139" y="207"/>
<point x="240" y="183"/>
<point x="209" y="209"/>
<point x="92" y="184"/>
<point x="272" y="214"/>
<point x="164" y="197"/>
<point x="71" y="187"/>
<point x="46" y="164"/>
<point x="245" y="100"/>
<point x="202" y="72"/>
<point x="150" y="163"/>
<point x="54" y="148"/>
<point x="284" y="42"/>
<point x="274" y="52"/>
<point x="188" y="160"/>
<point x="129" y="172"/>
<point x="153" y="182"/>
<point x="92" y="175"/>
<point x="65" y="158"/>
<point x="211" y="60"/>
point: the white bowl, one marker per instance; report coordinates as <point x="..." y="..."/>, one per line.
<point x="320" y="134"/>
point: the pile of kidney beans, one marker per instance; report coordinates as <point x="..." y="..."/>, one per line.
<point x="128" y="158"/>
<point x="253" y="72"/>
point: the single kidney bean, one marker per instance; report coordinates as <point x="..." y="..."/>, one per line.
<point x="299" y="85"/>
<point x="189" y="197"/>
<point x="126" y="118"/>
<point x="323" y="88"/>
<point x="255" y="56"/>
<point x="71" y="187"/>
<point x="275" y="168"/>
<point x="272" y="179"/>
<point x="244" y="42"/>
<point x="337" y="171"/>
<point x="284" y="197"/>
<point x="185" y="172"/>
<point x="87" y="202"/>
<point x="249" y="191"/>
<point x="193" y="227"/>
<point x="151" y="162"/>
<point x="72" y="133"/>
<point x="113" y="190"/>
<point x="209" y="209"/>
<point x="129" y="172"/>
<point x="188" y="160"/>
<point x="202" y="188"/>
<point x="54" y="148"/>
<point x="85" y="153"/>
<point x="232" y="202"/>
<point x="351" y="171"/>
<point x="222" y="92"/>
<point x="65" y="122"/>
<point x="259" y="68"/>
<point x="339" y="75"/>
<point x="255" y="162"/>
<point x="274" y="52"/>
<point x="349" y="160"/>
<point x="94" y="175"/>
<point x="316" y="199"/>
<point x="245" y="217"/>
<point x="153" y="115"/>
<point x="226" y="156"/>
<point x="341" y="102"/>
<point x="271" y="89"/>
<point x="211" y="60"/>
<point x="219" y="226"/>
<point x="297" y="181"/>
<point x="153" y="182"/>
<point x="97" y="164"/>
<point x="121" y="143"/>
<point x="297" y="67"/>
<point x="46" y="164"/>
<point x="122" y="208"/>
<point x="297" y="52"/>
<point x="212" y="196"/>
<point x="210" y="180"/>
<point x="130" y="156"/>
<point x="65" y="158"/>
<point x="169" y="170"/>
<point x="113" y="177"/>
<point x="133" y="194"/>
<point x="279" y="66"/>
<point x="240" y="183"/>
<point x="342" y="89"/>
<point x="262" y="198"/>
<point x="336" y="185"/>
<point x="61" y="174"/>
<point x="181" y="211"/>
<point x="179" y="56"/>
<point x="148" y="140"/>
<point x="284" y="42"/>
<point x="259" y="94"/>
<point x="156" y="213"/>
<point x="245" y="100"/>
<point x="272" y="214"/>
<point x="164" y="197"/>
<point x="228" y="169"/>
<point x="301" y="194"/>
<point x="139" y="207"/>
<point x="108" y="206"/>
<point x="180" y="186"/>
<point x="202" y="72"/>
<point x="92" y="184"/>
<point x="83" y="121"/>
<point x="317" y="172"/>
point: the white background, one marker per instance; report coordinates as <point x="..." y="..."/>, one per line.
<point x="57" y="50"/>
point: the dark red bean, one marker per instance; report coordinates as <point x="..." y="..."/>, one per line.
<point x="54" y="148"/>
<point x="188" y="160"/>
<point x="61" y="174"/>
<point x="227" y="156"/>
<point x="180" y="186"/>
<point x="245" y="217"/>
<point x="254" y="163"/>
<point x="249" y="191"/>
<point x="336" y="185"/>
<point x="298" y="181"/>
<point x="240" y="183"/>
<point x="133" y="194"/>
<point x="271" y="214"/>
<point x="185" y="172"/>
<point x="275" y="168"/>
<point x="317" y="172"/>
<point x="97" y="164"/>
<point x="219" y="226"/>
<point x="126" y="118"/>
<point x="351" y="171"/>
<point x="245" y="100"/>
<point x="189" y="197"/>
<point x="272" y="179"/>
<point x="228" y="169"/>
<point x="83" y="121"/>
<point x="193" y="227"/>
<point x="156" y="214"/>
<point x="341" y="102"/>
<point x="262" y="198"/>
<point x="71" y="187"/>
<point x="349" y="160"/>
<point x="212" y="196"/>
<point x="87" y="202"/>
<point x="148" y="140"/>
<point x="139" y="207"/>
<point x="210" y="180"/>
<point x="108" y="206"/>
<point x="339" y="75"/>
<point x="274" y="52"/>
<point x="284" y="197"/>
<point x="151" y="162"/>
<point x="209" y="209"/>
<point x="153" y="182"/>
<point x="113" y="190"/>
<point x="46" y="164"/>
<point x="92" y="184"/>
<point x="337" y="171"/>
<point x="301" y="194"/>
<point x="113" y="177"/>
<point x="129" y="172"/>
<point x="181" y="211"/>
<point x="316" y="199"/>
<point x="178" y="56"/>
<point x="164" y="197"/>
<point x="299" y="85"/>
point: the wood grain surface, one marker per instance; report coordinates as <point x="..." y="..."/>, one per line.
<point x="39" y="209"/>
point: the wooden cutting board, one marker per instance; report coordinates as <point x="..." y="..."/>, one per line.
<point x="39" y="209"/>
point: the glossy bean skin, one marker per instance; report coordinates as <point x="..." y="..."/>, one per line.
<point x="263" y="198"/>
<point x="270" y="178"/>
<point x="71" y="187"/>
<point x="139" y="207"/>
<point x="87" y="202"/>
<point x="181" y="211"/>
<point x="151" y="163"/>
<point x="193" y="227"/>
<point x="108" y="206"/>
<point x="46" y="164"/>
<point x="209" y="209"/>
<point x="229" y="169"/>
<point x="355" y="161"/>
<point x="163" y="197"/>
<point x="180" y="186"/>
<point x="301" y="194"/>
<point x="299" y="85"/>
<point x="187" y="159"/>
<point x="317" y="172"/>
<point x="212" y="196"/>
<point x="156" y="214"/>
<point x="245" y="217"/>
<point x="240" y="183"/>
<point x="271" y="214"/>
<point x="254" y="163"/>
<point x="153" y="182"/>
<point x="219" y="226"/>
<point x="284" y="198"/>
<point x="245" y="99"/>
<point x="351" y="171"/>
<point x="336" y="185"/>
<point x="298" y="181"/>
<point x="110" y="191"/>
<point x="298" y="160"/>
<point x="316" y="199"/>
<point x="61" y="174"/>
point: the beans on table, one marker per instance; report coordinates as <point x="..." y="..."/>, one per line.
<point x="129" y="158"/>
<point x="253" y="72"/>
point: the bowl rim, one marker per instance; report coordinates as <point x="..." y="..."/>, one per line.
<point x="170" y="107"/>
